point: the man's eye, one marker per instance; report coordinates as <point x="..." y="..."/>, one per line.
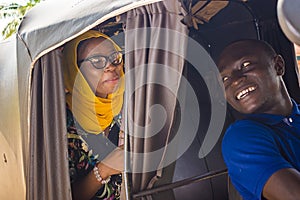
<point x="225" y="78"/>
<point x="245" y="64"/>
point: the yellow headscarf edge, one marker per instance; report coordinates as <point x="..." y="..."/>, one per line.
<point x="94" y="114"/>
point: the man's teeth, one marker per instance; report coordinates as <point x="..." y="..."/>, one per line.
<point x="244" y="92"/>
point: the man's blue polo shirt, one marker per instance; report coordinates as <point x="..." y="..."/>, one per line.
<point x="256" y="147"/>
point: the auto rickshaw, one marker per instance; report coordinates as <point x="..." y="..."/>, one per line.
<point x="175" y="82"/>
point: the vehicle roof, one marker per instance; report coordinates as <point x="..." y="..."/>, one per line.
<point x="47" y="25"/>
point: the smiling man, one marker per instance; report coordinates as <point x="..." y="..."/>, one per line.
<point x="261" y="151"/>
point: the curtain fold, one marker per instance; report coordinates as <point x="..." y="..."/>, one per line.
<point x="48" y="160"/>
<point x="155" y="45"/>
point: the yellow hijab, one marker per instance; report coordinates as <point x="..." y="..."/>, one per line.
<point x="94" y="114"/>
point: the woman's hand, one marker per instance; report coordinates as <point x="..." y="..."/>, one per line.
<point x="112" y="164"/>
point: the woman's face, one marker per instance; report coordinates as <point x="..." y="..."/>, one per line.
<point x="102" y="81"/>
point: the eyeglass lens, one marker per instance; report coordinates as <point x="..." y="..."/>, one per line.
<point x="100" y="61"/>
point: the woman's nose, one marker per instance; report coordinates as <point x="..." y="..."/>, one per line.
<point x="110" y="67"/>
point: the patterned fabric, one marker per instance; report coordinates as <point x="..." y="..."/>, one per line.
<point x="82" y="160"/>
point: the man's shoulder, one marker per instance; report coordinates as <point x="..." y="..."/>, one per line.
<point x="245" y="130"/>
<point x="246" y="136"/>
<point x="246" y="124"/>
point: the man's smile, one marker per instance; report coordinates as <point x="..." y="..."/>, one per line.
<point x="244" y="92"/>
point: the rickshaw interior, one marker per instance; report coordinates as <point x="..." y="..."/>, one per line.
<point x="214" y="24"/>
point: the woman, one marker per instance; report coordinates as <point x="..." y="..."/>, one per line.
<point x="93" y="76"/>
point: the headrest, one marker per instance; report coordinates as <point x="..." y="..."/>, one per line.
<point x="288" y="16"/>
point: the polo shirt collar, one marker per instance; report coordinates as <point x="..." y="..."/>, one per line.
<point x="271" y="119"/>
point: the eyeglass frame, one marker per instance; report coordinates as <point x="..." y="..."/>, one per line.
<point x="107" y="58"/>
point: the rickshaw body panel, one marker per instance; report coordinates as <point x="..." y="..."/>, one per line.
<point x="12" y="146"/>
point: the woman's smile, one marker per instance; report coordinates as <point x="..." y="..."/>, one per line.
<point x="113" y="80"/>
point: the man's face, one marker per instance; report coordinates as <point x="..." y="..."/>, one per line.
<point x="102" y="81"/>
<point x="251" y="81"/>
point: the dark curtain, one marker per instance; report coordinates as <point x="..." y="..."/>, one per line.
<point x="48" y="160"/>
<point x="154" y="48"/>
<point x="272" y="33"/>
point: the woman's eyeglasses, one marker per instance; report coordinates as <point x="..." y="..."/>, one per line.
<point x="100" y="61"/>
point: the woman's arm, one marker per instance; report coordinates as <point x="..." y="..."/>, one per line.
<point x="88" y="186"/>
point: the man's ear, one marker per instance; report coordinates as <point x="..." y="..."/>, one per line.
<point x="279" y="65"/>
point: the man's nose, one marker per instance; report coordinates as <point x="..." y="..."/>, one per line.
<point x="237" y="78"/>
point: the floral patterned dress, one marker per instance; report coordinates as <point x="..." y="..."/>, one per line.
<point x="82" y="159"/>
